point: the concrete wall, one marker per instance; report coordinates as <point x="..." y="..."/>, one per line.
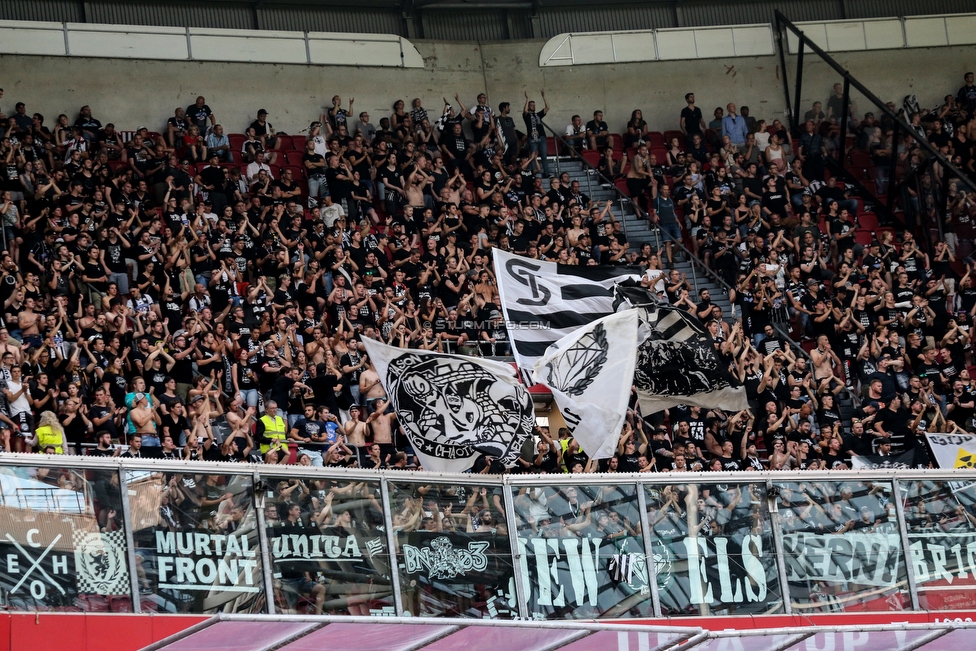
<point x="132" y="93"/>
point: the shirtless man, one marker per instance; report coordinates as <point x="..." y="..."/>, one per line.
<point x="382" y="423"/>
<point x="823" y="358"/>
<point x="145" y="419"/>
<point x="779" y="459"/>
<point x="370" y="388"/>
<point x="29" y="321"/>
<point x="7" y="345"/>
<point x="356" y="432"/>
<point x="414" y="189"/>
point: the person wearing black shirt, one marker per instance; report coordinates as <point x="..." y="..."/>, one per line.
<point x="213" y="179"/>
<point x="597" y="132"/>
<point x="774" y="201"/>
<point x="535" y="132"/>
<point x="104" y="448"/>
<point x="692" y="122"/>
<point x="628" y="450"/>
<point x="199" y="113"/>
<point x="459" y="151"/>
<point x="830" y="191"/>
<point x="961" y="405"/>
<point x="549" y="455"/>
<point x="506" y="126"/>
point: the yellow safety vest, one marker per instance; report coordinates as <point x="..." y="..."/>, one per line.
<point x="274" y="430"/>
<point x="48" y="437"/>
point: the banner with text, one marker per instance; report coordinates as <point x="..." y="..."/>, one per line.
<point x="953" y="450"/>
<point x="197" y="539"/>
<point x="584" y="578"/>
<point x="467" y="574"/>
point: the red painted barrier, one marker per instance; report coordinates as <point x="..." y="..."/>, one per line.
<point x="87" y="632"/>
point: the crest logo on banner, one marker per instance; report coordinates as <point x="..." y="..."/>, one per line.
<point x="540" y="293"/>
<point x="443" y="561"/>
<point x="575" y="371"/>
<point x="100" y="562"/>
<point x="453" y="407"/>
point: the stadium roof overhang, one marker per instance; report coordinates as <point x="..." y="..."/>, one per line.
<point x="291" y="633"/>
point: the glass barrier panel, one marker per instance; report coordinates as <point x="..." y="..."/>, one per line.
<point x="196" y="542"/>
<point x="454" y="556"/>
<point x="842" y="547"/>
<point x="942" y="542"/>
<point x="62" y="540"/>
<point x="713" y="549"/>
<point x="329" y="553"/>
<point x="582" y="551"/>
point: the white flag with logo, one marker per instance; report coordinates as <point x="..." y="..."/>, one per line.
<point x="544" y="301"/>
<point x="590" y="373"/>
<point x="953" y="450"/>
<point x="453" y="407"/>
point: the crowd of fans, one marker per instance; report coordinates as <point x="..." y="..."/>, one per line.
<point x="191" y="294"/>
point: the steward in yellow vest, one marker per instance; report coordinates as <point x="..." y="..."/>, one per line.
<point x="271" y="428"/>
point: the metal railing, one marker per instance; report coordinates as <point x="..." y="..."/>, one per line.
<point x="640" y="499"/>
<point x="901" y="128"/>
<point x="697" y="265"/>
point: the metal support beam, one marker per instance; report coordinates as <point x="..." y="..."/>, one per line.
<point x="391" y="546"/>
<point x="129" y="541"/>
<point x="943" y="210"/>
<point x="903" y="531"/>
<point x="791" y="119"/>
<point x="798" y="121"/>
<point x="784" y="586"/>
<point x="648" y="551"/>
<point x="519" y="564"/>
<point x="844" y="119"/>
<point x="880" y="106"/>
<point x="893" y="168"/>
<point x="266" y="569"/>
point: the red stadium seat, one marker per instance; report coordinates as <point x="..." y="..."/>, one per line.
<point x="592" y="157"/>
<point x="285" y="143"/>
<point x="236" y="142"/>
<point x="671" y="134"/>
<point x="655" y="139"/>
<point x="867" y="221"/>
<point x="863" y="237"/>
<point x="860" y="159"/>
<point x="294" y="157"/>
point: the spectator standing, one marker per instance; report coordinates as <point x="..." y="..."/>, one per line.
<point x="535" y="132"/>
<point x="691" y="121"/>
<point x="734" y="126"/>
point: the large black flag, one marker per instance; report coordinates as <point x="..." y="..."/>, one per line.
<point x="676" y="359"/>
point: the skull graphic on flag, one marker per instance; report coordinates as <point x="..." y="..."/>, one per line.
<point x="451" y="407"/>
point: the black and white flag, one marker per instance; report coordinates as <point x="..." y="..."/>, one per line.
<point x="544" y="301"/>
<point x="590" y="373"/>
<point x="621" y="567"/>
<point x="676" y="359"/>
<point x="453" y="407"/>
